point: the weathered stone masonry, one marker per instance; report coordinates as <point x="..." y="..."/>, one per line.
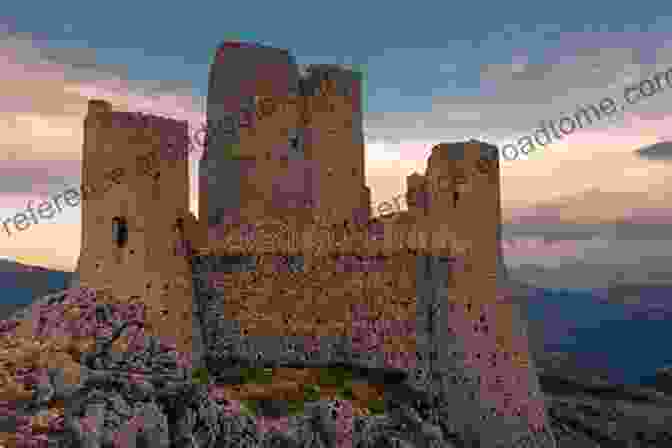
<point x="296" y="165"/>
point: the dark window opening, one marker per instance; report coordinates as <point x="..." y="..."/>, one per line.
<point x="456" y="196"/>
<point x="292" y="263"/>
<point x="295" y="143"/>
<point x="119" y="231"/>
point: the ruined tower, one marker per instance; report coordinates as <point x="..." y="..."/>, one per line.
<point x="280" y="142"/>
<point x="335" y="140"/>
<point x="135" y="212"/>
<point x="480" y="336"/>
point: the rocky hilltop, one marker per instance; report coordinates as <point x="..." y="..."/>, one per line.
<point x="84" y="369"/>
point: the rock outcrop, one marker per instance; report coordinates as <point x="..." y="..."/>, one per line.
<point x="90" y="373"/>
<point x="115" y="384"/>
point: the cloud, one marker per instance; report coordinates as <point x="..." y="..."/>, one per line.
<point x="600" y="263"/>
<point x="45" y="94"/>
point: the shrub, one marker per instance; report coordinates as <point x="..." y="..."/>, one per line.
<point x="256" y="376"/>
<point x="200" y="375"/>
<point x="337" y="376"/>
<point x="376" y="406"/>
<point x="311" y="392"/>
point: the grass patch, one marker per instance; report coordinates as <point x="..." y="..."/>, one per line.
<point x="376" y="407"/>
<point x="200" y="375"/>
<point x="256" y="376"/>
<point x="338" y="377"/>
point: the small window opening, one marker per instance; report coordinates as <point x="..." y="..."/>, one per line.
<point x="119" y="231"/>
<point x="294" y="143"/>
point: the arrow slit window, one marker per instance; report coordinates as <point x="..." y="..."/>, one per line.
<point x="459" y="181"/>
<point x="119" y="231"/>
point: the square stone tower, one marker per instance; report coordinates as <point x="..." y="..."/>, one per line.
<point x="135" y="213"/>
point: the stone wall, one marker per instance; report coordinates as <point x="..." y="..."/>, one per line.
<point x="399" y="312"/>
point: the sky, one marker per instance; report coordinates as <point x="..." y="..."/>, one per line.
<point x="586" y="210"/>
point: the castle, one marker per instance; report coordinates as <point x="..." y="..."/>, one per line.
<point x="291" y="154"/>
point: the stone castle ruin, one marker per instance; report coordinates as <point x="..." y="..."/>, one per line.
<point x="285" y="264"/>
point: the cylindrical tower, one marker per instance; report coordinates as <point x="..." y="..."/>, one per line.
<point x="481" y="334"/>
<point x="254" y="134"/>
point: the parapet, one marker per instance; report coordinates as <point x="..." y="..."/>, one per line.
<point x="173" y="134"/>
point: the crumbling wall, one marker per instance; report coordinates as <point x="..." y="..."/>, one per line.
<point x="461" y="341"/>
<point x="284" y="308"/>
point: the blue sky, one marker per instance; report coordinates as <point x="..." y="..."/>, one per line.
<point x="435" y="71"/>
<point x="393" y="39"/>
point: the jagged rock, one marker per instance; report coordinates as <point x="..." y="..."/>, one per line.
<point x="178" y="413"/>
<point x="664" y="379"/>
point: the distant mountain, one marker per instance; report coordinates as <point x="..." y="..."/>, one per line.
<point x="594" y="206"/>
<point x="20" y="284"/>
